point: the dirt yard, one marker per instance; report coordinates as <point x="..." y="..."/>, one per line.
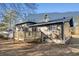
<point x="8" y="48"/>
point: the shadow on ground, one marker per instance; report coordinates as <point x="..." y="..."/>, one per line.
<point x="43" y="49"/>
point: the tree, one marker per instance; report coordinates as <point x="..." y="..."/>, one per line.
<point x="9" y="17"/>
<point x="32" y="7"/>
<point x="3" y="26"/>
<point x="13" y="13"/>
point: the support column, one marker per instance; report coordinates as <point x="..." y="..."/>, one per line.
<point x="62" y="31"/>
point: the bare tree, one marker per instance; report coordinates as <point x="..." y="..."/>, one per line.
<point x="13" y="12"/>
<point x="9" y="17"/>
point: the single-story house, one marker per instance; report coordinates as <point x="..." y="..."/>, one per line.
<point x="57" y="31"/>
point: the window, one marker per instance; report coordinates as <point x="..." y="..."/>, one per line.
<point x="34" y="29"/>
<point x="50" y="27"/>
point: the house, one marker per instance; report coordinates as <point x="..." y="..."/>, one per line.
<point x="57" y="31"/>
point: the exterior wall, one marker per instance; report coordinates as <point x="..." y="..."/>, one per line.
<point x="16" y="37"/>
<point x="32" y="34"/>
<point x="19" y="34"/>
<point x="67" y="31"/>
<point x="76" y="25"/>
<point x="57" y="33"/>
<point x="26" y="34"/>
<point x="51" y="33"/>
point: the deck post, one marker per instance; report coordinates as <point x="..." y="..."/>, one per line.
<point x="62" y="31"/>
<point x="41" y="37"/>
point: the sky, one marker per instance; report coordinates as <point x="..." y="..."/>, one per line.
<point x="41" y="8"/>
<point x="57" y="7"/>
<point x="47" y="7"/>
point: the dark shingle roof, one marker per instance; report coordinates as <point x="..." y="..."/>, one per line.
<point x="52" y="22"/>
<point x="25" y="23"/>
